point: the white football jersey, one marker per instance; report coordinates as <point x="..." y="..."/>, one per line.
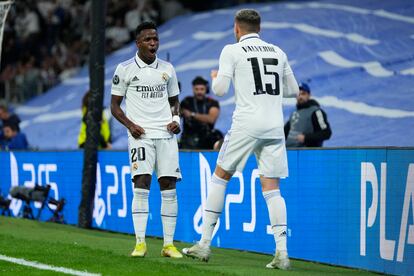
<point x="146" y="88"/>
<point x="257" y="69"/>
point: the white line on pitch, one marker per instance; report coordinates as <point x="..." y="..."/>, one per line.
<point x="46" y="267"/>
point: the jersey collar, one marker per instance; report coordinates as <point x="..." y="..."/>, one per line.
<point x="142" y="64"/>
<point x="248" y="36"/>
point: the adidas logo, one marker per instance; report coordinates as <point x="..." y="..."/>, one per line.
<point x="135" y="79"/>
<point x="177" y="170"/>
<point x="213" y="224"/>
<point x="282" y="234"/>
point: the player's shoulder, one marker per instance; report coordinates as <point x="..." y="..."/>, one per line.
<point x="125" y="66"/>
<point x="277" y="48"/>
<point x="127" y="62"/>
<point x="164" y="63"/>
<point x="229" y="49"/>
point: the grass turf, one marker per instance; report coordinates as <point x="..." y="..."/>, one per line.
<point x="108" y="254"/>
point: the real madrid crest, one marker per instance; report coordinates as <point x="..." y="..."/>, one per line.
<point x="165" y="76"/>
<point x="135" y="166"/>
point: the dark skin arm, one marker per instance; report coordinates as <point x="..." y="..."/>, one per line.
<point x="287" y="129"/>
<point x="118" y="113"/>
<point x="174" y="127"/>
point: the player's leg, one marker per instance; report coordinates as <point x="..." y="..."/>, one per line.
<point x="277" y="214"/>
<point x="233" y="155"/>
<point x="169" y="210"/>
<point x="140" y="210"/>
<point x="272" y="162"/>
<point x="212" y="211"/>
<point x="141" y="158"/>
<point x="168" y="172"/>
<point x="214" y="203"/>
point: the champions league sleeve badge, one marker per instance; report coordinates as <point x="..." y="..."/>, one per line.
<point x="115" y="79"/>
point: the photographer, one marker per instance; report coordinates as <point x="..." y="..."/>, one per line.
<point x="200" y="114"/>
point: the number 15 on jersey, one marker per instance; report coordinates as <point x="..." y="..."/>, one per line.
<point x="271" y="88"/>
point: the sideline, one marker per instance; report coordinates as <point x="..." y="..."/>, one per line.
<point x="46" y="267"/>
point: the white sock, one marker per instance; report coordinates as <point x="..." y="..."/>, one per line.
<point x="169" y="209"/>
<point x="213" y="208"/>
<point x="140" y="213"/>
<point x="277" y="214"/>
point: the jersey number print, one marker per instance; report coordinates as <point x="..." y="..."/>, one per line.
<point x="140" y="156"/>
<point x="258" y="76"/>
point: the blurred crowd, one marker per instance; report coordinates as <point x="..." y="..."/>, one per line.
<point x="47" y="41"/>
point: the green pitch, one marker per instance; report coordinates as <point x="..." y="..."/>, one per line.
<point x="108" y="254"/>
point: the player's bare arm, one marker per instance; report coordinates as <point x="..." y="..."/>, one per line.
<point x="118" y="113"/>
<point x="174" y="126"/>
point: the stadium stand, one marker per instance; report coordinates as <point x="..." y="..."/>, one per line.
<point x="357" y="55"/>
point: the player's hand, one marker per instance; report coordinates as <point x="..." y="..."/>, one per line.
<point x="300" y="138"/>
<point x="213" y="74"/>
<point x="136" y="130"/>
<point x="174" y="127"/>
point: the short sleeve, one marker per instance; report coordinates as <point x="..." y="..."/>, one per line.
<point x="226" y="62"/>
<point x="119" y="86"/>
<point x="213" y="103"/>
<point x="286" y="68"/>
<point x="173" y="89"/>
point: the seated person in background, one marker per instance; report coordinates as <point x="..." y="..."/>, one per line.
<point x="105" y="132"/>
<point x="13" y="139"/>
<point x="7" y="118"/>
<point x="308" y="126"/>
<point x="200" y="114"/>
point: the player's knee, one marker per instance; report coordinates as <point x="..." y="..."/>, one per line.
<point x="142" y="181"/>
<point x="167" y="183"/>
<point x="269" y="184"/>
<point x="221" y="173"/>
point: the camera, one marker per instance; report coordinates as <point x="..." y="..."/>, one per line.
<point x="38" y="194"/>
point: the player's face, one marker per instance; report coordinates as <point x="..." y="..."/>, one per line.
<point x="303" y="97"/>
<point x="147" y="43"/>
<point x="200" y="91"/>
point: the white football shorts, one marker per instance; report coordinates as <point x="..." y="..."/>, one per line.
<point x="270" y="154"/>
<point x="147" y="155"/>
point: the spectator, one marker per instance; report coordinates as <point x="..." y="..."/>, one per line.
<point x="149" y="11"/>
<point x="132" y="17"/>
<point x="13" y="139"/>
<point x="8" y="118"/>
<point x="118" y="34"/>
<point x="200" y="114"/>
<point x="170" y="9"/>
<point x="105" y="132"/>
<point x="46" y="42"/>
<point x="308" y="126"/>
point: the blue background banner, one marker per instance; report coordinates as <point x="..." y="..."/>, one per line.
<point x="349" y="207"/>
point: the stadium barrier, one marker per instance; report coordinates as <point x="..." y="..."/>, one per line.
<point x="348" y="207"/>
